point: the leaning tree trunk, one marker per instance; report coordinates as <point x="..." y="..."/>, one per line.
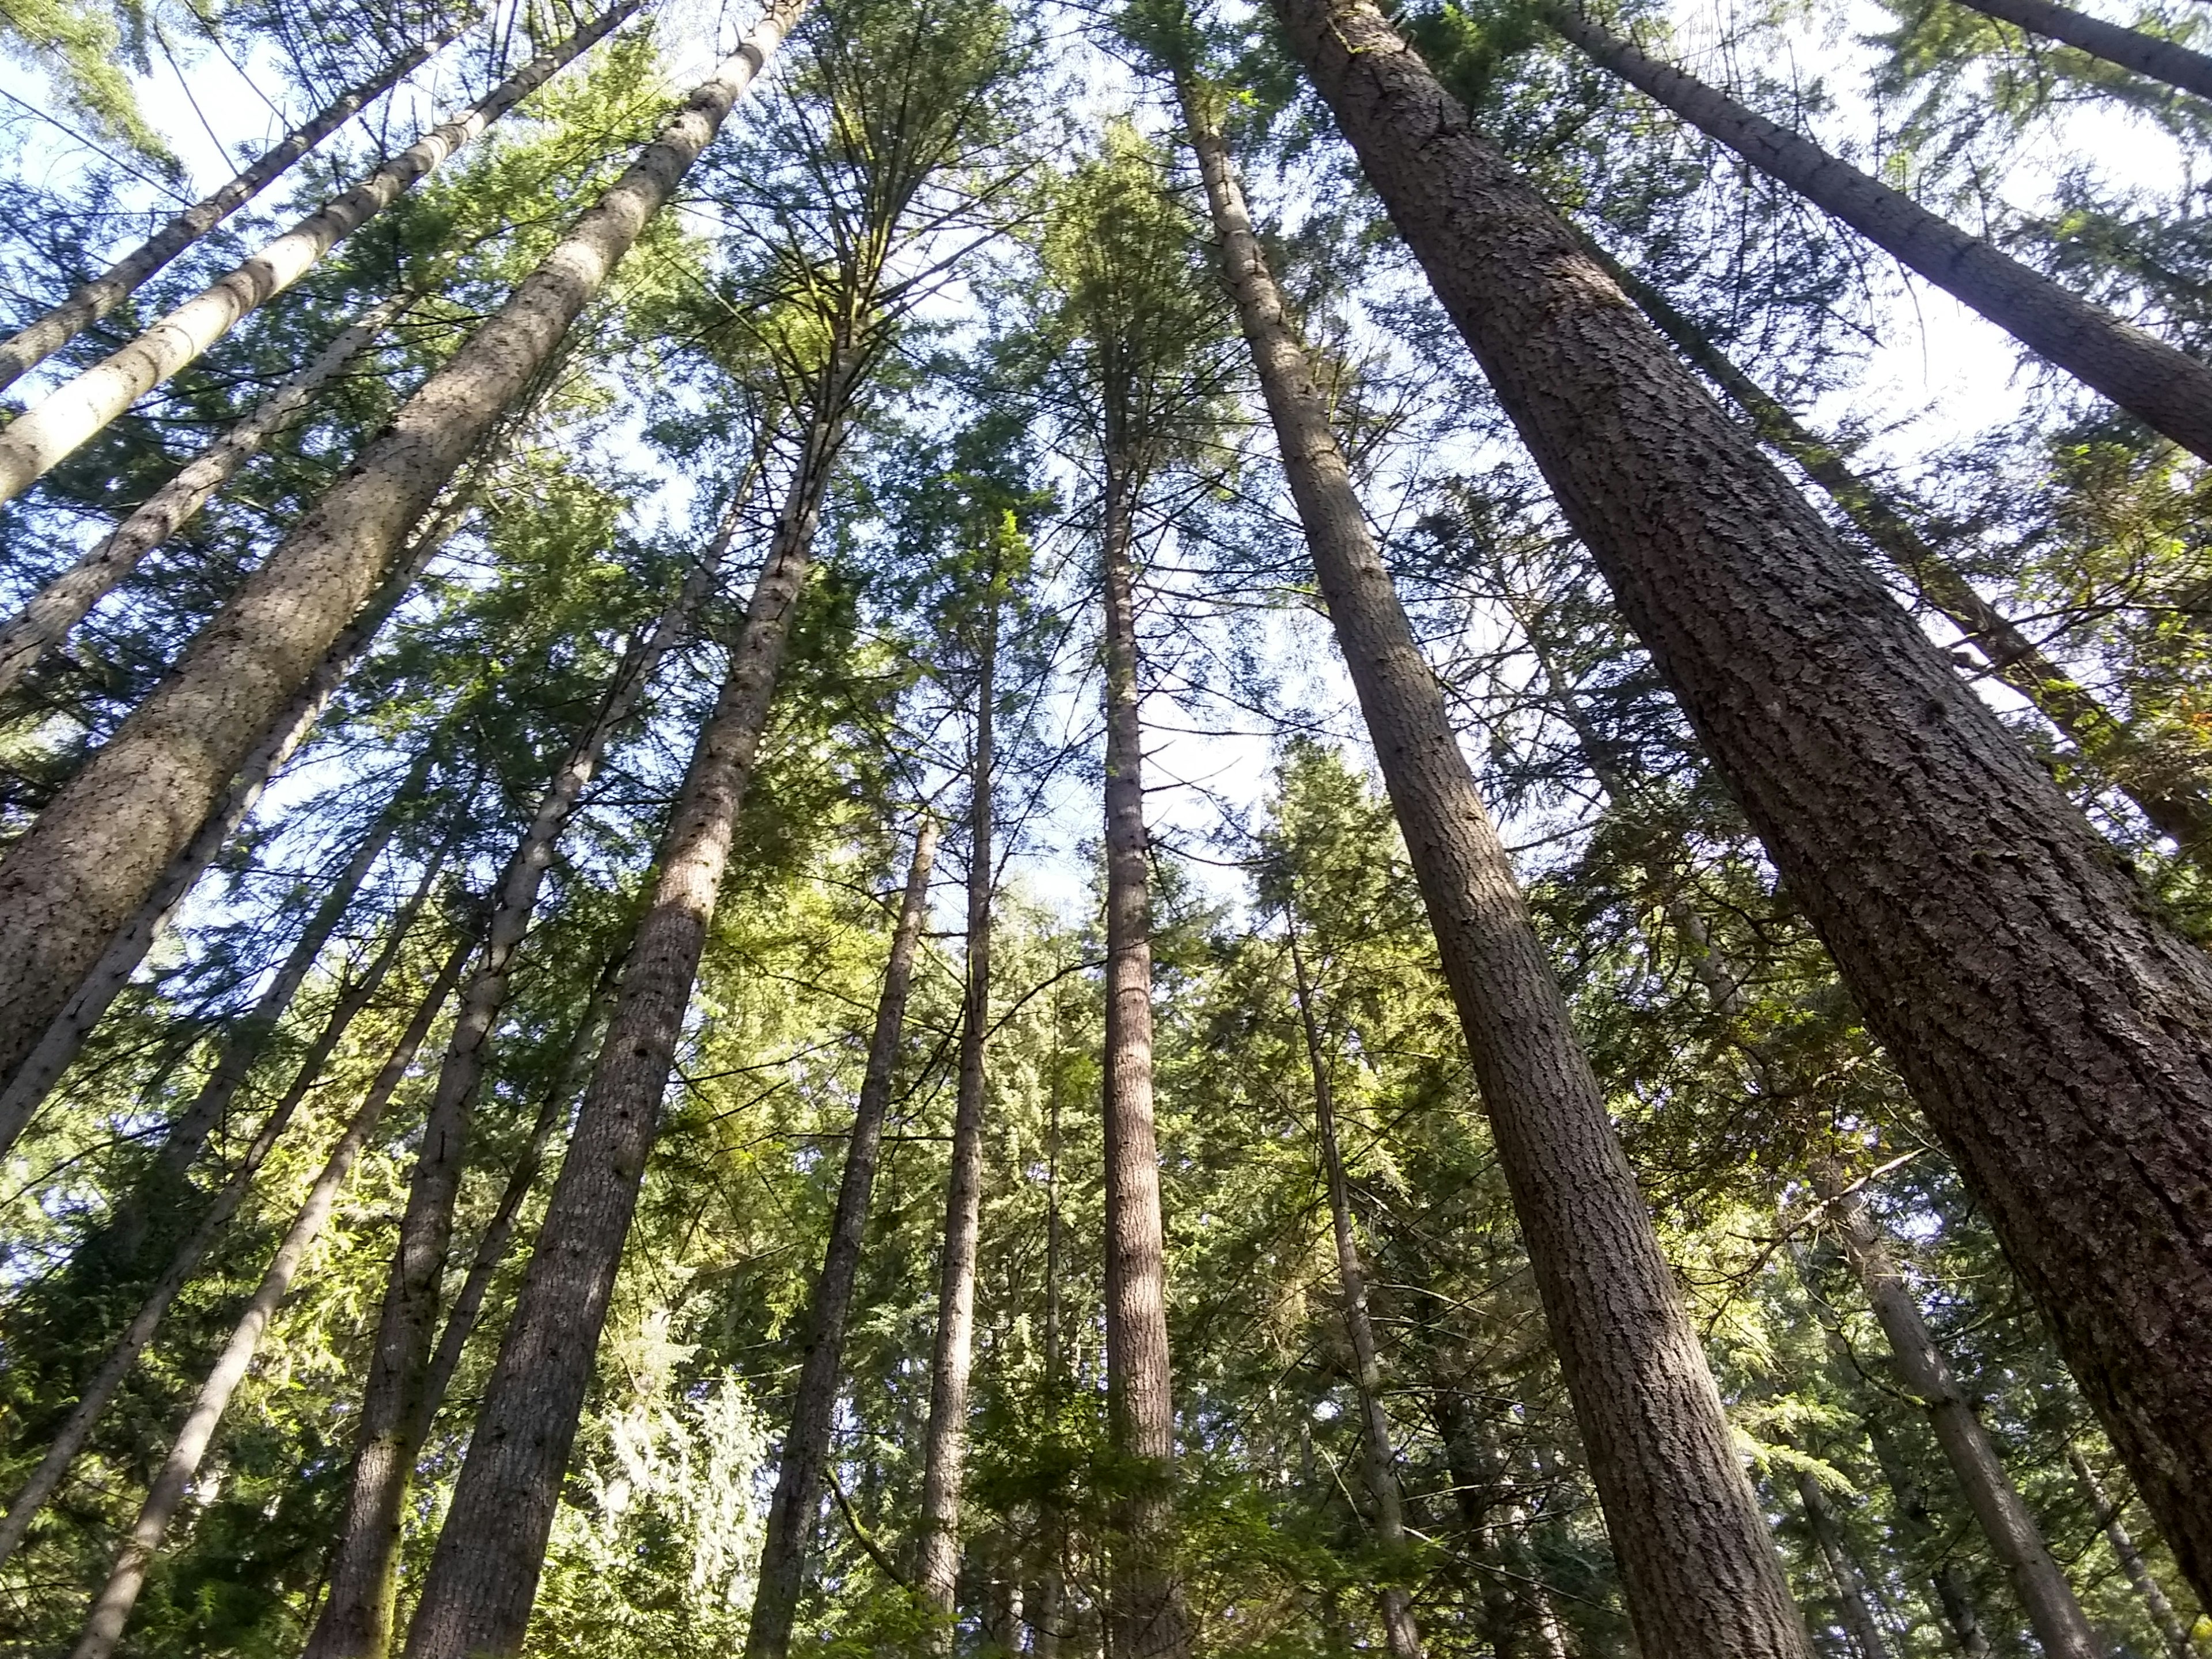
<point x="2150" y="379"/>
<point x="2061" y="1627"/>
<point x="1695" y="1556"/>
<point x="483" y="1576"/>
<point x="40" y="339"/>
<point x="1852" y="1598"/>
<point x="1145" y="1610"/>
<point x="2132" y="1560"/>
<point x="48" y="615"/>
<point x="1399" y="1629"/>
<point x="355" y="1621"/>
<point x="61" y="423"/>
<point x="2176" y="804"/>
<point x="807" y="1443"/>
<point x="111" y="1608"/>
<point x="65" y="1035"/>
<point x="937" y="1568"/>
<point x="74" y="877"/>
<point x="95" y="1394"/>
<point x="2054" y="1028"/>
<point x="2146" y="54"/>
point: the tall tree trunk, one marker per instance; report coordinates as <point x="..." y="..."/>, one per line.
<point x="2146" y="54"/>
<point x="807" y="1443"/>
<point x="1052" y="1524"/>
<point x="2176" y="804"/>
<point x="40" y="339"/>
<point x="2132" y="1560"/>
<point x="61" y="423"/>
<point x="64" y="1036"/>
<point x="2054" y="1028"/>
<point x="1399" y="1628"/>
<point x="483" y="1576"/>
<point x="355" y="1621"/>
<point x="937" y="1570"/>
<point x="93" y="1396"/>
<point x="1700" y="1570"/>
<point x="111" y="1608"/>
<point x="74" y="877"/>
<point x="2060" y="1625"/>
<point x="48" y="615"/>
<point x="1852" y="1598"/>
<point x="1145" y="1610"/>
<point x="2151" y="380"/>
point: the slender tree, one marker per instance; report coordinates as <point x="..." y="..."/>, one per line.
<point x="2135" y="49"/>
<point x="2170" y="1627"/>
<point x="1853" y="1599"/>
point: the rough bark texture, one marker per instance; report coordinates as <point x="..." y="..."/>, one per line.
<point x="807" y="1443"/>
<point x="1700" y="1570"/>
<point x="2057" y="1032"/>
<point x="41" y="339"/>
<point x="1144" y="1609"/>
<point x="1852" y="1600"/>
<point x="48" y="615"/>
<point x="2170" y="796"/>
<point x="110" y="1608"/>
<point x="2060" y="1625"/>
<point x="72" y="879"/>
<point x="936" y="1567"/>
<point x="2162" y="1614"/>
<point x="2146" y="54"/>
<point x="355" y="1622"/>
<point x="483" y="1577"/>
<point x="1400" y="1629"/>
<point x="60" y="424"/>
<point x="2136" y="370"/>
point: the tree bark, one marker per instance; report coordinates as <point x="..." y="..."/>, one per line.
<point x="64" y="1036"/>
<point x="937" y="1570"/>
<point x="483" y="1576"/>
<point x="1851" y="1596"/>
<point x="93" y="1397"/>
<point x="2132" y="1560"/>
<point x="806" y="1443"/>
<point x="2176" y="804"/>
<point x="1051" y="1525"/>
<point x="48" y="615"/>
<point x="40" y="339"/>
<point x="61" y="423"/>
<point x="111" y="1608"/>
<point x="1401" y="1631"/>
<point x="2060" y="1625"/>
<point x="2057" y="1032"/>
<point x="2132" y="49"/>
<point x="1144" y="1609"/>
<point x="74" y="877"/>
<point x="355" y="1621"/>
<point x="1699" y="1568"/>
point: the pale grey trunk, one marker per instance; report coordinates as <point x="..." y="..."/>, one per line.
<point x="48" y="615"/>
<point x="1696" y="1557"/>
<point x="61" y="423"/>
<point x="484" y="1574"/>
<point x="1399" y="1629"/>
<point x="40" y="339"/>
<point x="937" y="1570"/>
<point x="76" y="876"/>
<point x="355" y="1621"/>
<point x="111" y="1608"/>
<point x="2162" y="1614"/>
<point x="1852" y="1599"/>
<point x="2060" y="1625"/>
<point x="806" y="1443"/>
<point x="2146" y="54"/>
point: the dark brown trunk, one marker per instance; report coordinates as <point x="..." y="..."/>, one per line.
<point x="1852" y="1599"/>
<point x="2146" y="54"/>
<point x="40" y="339"/>
<point x="1144" y="1611"/>
<point x="483" y="1577"/>
<point x="2055" y="1030"/>
<point x="355" y="1621"/>
<point x="806" y="1443"/>
<point x="2167" y="391"/>
<point x="2132" y="1560"/>
<point x="945" y="1449"/>
<point x="100" y="846"/>
<point x="1695" y="1556"/>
